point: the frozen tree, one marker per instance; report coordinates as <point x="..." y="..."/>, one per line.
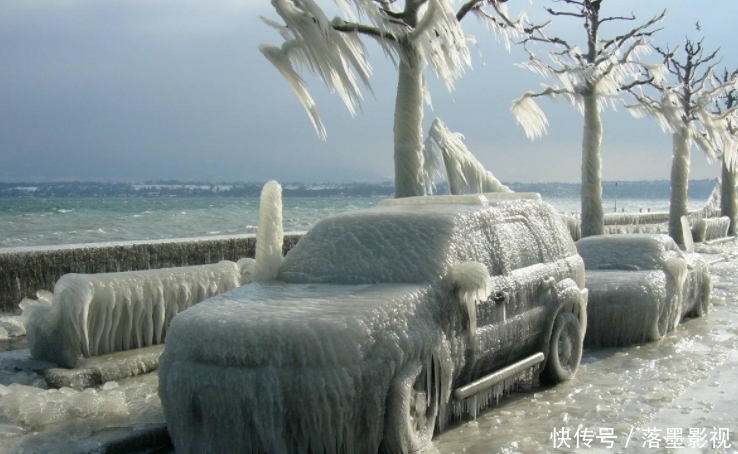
<point x="465" y="175"/>
<point x="590" y="78"/>
<point x="728" y="206"/>
<point x="414" y="34"/>
<point x="684" y="106"/>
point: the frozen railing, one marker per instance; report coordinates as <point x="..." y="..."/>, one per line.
<point x="96" y="314"/>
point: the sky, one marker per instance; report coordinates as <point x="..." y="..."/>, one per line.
<point x="136" y="90"/>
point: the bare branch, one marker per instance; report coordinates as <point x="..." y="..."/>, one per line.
<point x="564" y="13"/>
<point x="636" y="83"/>
<point x="472" y="5"/>
<point x="637" y="32"/>
<point x="351" y="27"/>
<point x="607" y="19"/>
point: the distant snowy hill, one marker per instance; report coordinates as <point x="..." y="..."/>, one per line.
<point x="698" y="189"/>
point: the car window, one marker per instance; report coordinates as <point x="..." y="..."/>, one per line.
<point x="375" y="246"/>
<point x="517" y="245"/>
<point x="626" y="252"/>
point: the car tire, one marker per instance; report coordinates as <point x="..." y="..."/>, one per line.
<point x="564" y="350"/>
<point x="661" y="327"/>
<point x="704" y="305"/>
<point x="412" y="409"/>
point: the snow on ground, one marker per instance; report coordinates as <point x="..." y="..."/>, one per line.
<point x="666" y="390"/>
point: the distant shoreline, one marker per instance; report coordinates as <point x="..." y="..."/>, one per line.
<point x="659" y="189"/>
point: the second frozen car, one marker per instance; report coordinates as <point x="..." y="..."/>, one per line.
<point x="640" y="287"/>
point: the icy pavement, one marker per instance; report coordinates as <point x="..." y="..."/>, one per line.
<point x="654" y="397"/>
<point x="659" y="394"/>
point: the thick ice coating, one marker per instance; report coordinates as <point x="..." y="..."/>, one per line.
<point x="710" y="229"/>
<point x="363" y="336"/>
<point x="640" y="287"/>
<point x="94" y="314"/>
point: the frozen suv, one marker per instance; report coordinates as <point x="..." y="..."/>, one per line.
<point x="381" y="324"/>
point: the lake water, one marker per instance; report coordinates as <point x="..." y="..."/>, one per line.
<point x="37" y="222"/>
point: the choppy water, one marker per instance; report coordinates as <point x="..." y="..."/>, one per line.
<point x="36" y="222"/>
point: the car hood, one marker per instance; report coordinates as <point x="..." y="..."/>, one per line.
<point x="298" y="325"/>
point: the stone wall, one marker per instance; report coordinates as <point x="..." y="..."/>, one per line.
<point x="23" y="271"/>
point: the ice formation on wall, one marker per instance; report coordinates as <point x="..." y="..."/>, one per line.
<point x="465" y="174"/>
<point x="102" y="313"/>
<point x="25" y="270"/>
<point x="712" y="207"/>
<point x="362" y="308"/>
<point x="269" y="235"/>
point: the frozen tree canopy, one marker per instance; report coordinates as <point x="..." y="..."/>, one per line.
<point x="685" y="106"/>
<point x="590" y="78"/>
<point x="414" y="34"/>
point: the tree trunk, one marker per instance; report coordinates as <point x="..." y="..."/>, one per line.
<point x="728" y="205"/>
<point x="679" y="183"/>
<point x="408" y="127"/>
<point x="593" y="219"/>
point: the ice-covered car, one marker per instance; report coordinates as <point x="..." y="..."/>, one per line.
<point x="640" y="287"/>
<point x="381" y="323"/>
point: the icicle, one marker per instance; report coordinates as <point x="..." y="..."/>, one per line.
<point x="529" y="116"/>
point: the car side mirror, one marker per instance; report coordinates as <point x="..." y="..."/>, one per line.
<point x="471" y="282"/>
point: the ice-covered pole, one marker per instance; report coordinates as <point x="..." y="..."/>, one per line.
<point x="270" y="234"/>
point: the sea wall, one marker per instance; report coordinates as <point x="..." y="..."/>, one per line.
<point x="25" y="270"/>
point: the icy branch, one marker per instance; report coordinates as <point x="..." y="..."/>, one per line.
<point x="331" y="51"/>
<point x="466" y="175"/>
<point x="530" y="116"/>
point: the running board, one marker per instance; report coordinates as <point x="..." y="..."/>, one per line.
<point x="499" y="376"/>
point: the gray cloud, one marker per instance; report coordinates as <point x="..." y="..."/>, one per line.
<point x="133" y="90"/>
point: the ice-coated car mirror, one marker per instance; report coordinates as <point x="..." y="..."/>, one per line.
<point x="471" y="282"/>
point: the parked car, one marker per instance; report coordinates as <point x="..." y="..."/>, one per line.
<point x="640" y="287"/>
<point x="381" y="323"/>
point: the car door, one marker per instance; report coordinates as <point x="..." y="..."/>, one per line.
<point x="510" y="322"/>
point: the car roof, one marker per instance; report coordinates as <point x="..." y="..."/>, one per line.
<point x="414" y="243"/>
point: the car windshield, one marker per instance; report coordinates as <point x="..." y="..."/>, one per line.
<point x="395" y="244"/>
<point x="627" y="252"/>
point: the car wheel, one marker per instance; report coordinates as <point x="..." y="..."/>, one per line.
<point x="661" y="327"/>
<point x="564" y="349"/>
<point x="704" y="304"/>
<point x="412" y="409"/>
